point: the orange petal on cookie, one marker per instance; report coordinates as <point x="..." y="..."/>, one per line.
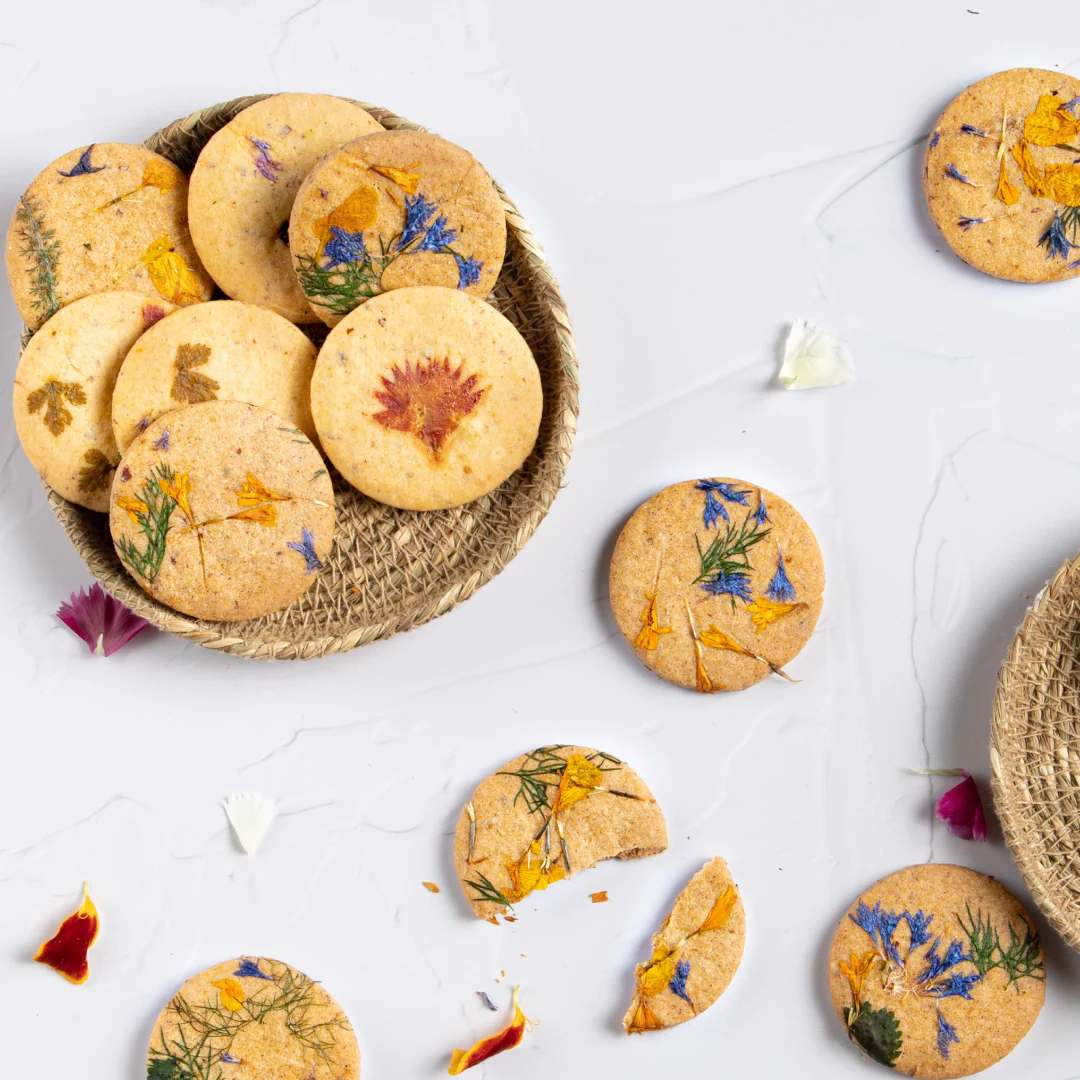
<point x="1063" y="183"/>
<point x="170" y="275"/>
<point x="658" y="972"/>
<point x="764" y="611"/>
<point x="134" y="507"/>
<point x="261" y="515"/>
<point x="405" y="178"/>
<point x="1032" y="177"/>
<point x="507" y="1039"/>
<point x="1007" y="191"/>
<point x="721" y="910"/>
<point x="66" y="950"/>
<point x="1051" y="124"/>
<point x="531" y="873"/>
<point x="651" y="629"/>
<point x="253" y="491"/>
<point x="644" y="1019"/>
<point x="358" y="212"/>
<point x="232" y="994"/>
<point x="580" y="779"/>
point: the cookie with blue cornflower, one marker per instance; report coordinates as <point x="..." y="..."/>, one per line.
<point x="716" y="584"/>
<point x="937" y="971"/>
<point x="391" y="210"/>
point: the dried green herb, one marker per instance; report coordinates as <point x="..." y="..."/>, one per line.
<point x="53" y="394"/>
<point x="151" y="512"/>
<point x="1019" y="960"/>
<point x="486" y="891"/>
<point x="41" y="247"/>
<point x="192" y="386"/>
<point x="876" y="1032"/>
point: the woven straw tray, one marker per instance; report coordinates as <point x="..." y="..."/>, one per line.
<point x="389" y="570"/>
<point x="1035" y="750"/>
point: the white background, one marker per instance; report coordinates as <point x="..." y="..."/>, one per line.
<point x="700" y="174"/>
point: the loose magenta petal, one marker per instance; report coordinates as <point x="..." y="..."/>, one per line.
<point x="961" y="809"/>
<point x="507" y="1039"/>
<point x="65" y="952"/>
<point x="102" y="622"/>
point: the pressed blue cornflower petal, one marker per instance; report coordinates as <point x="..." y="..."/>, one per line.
<point x="946" y="1034"/>
<point x="957" y="985"/>
<point x="264" y="163"/>
<point x="734" y="584"/>
<point x="1055" y="241"/>
<point x="956" y="174"/>
<point x="887" y="922"/>
<point x="83" y="166"/>
<point x="468" y="270"/>
<point x="971" y="129"/>
<point x="1070" y="105"/>
<point x="418" y="212"/>
<point x="761" y="515"/>
<point x="437" y="236"/>
<point x="918" y="925"/>
<point x="1074" y="265"/>
<point x="306" y="547"/>
<point x="344" y="247"/>
<point x="935" y="139"/>
<point x="714" y="510"/>
<point x="727" y="491"/>
<point x="954" y="955"/>
<point x="162" y="442"/>
<point x="678" y="981"/>
<point x="865" y="918"/>
<point x="249" y="969"/>
<point x="965" y="223"/>
<point x="780" y="589"/>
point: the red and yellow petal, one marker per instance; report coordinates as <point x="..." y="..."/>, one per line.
<point x="65" y="952"/>
<point x="507" y="1039"/>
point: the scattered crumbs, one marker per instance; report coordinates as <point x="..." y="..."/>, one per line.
<point x="503" y="974"/>
<point x="523" y="956"/>
<point x="88" y="247"/>
<point x="509" y="918"/>
<point x="487" y="1001"/>
<point x="430" y="886"/>
<point x="599" y="897"/>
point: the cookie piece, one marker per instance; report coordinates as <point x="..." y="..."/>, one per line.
<point x="716" y="583"/>
<point x="108" y="216"/>
<point x="222" y="511"/>
<point x="937" y="971"/>
<point x="243" y="186"/>
<point x="695" y="954"/>
<point x="253" y="1017"/>
<point x="224" y="350"/>
<point x="426" y="398"/>
<point x="1002" y="175"/>
<point x="390" y="210"/>
<point x="547" y="815"/>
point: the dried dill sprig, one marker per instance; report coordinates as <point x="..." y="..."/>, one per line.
<point x="40" y="245"/>
<point x="725" y="563"/>
<point x="486" y="891"/>
<point x="1021" y="958"/>
<point x="1070" y="221"/>
<point x="151" y="513"/>
<point x="341" y="288"/>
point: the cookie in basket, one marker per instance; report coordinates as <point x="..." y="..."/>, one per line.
<point x="64" y="386"/>
<point x="1002" y="175"/>
<point x="243" y="186"/>
<point x="545" y="816"/>
<point x="390" y="210"/>
<point x="253" y="1016"/>
<point x="108" y="216"/>
<point x="223" y="350"/>
<point x="937" y="971"/>
<point x="222" y="511"/>
<point x="716" y="583"/>
<point x="426" y="398"/>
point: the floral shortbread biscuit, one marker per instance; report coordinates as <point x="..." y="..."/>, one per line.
<point x="391" y="210"/>
<point x="936" y="971"/>
<point x="243" y="186"/>
<point x="253" y="1017"/>
<point x="64" y="388"/>
<point x="695" y="954"/>
<point x="223" y="511"/>
<point x="716" y="584"/>
<point x="108" y="216"/>
<point x="1002" y="176"/>
<point x="426" y="398"/>
<point x="545" y="816"/>
<point x="224" y="350"/>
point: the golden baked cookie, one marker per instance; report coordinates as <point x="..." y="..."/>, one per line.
<point x="108" y="216"/>
<point x="391" y="210"/>
<point x="695" y="954"/>
<point x="224" y="350"/>
<point x="716" y="583"/>
<point x="253" y="1017"/>
<point x="546" y="815"/>
<point x="937" y="971"/>
<point x="222" y="511"/>
<point x="426" y="398"/>
<point x="1002" y="175"/>
<point x="64" y="386"/>
<point x="243" y="186"/>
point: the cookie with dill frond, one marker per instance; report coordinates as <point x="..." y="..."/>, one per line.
<point x="937" y="971"/>
<point x="253" y="1016"/>
<point x="1002" y="175"/>
<point x="544" y="817"/>
<point x="716" y="584"/>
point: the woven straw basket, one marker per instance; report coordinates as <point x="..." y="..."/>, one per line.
<point x="389" y="570"/>
<point x="1035" y="750"/>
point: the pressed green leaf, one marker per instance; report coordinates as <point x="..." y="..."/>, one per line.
<point x="877" y="1033"/>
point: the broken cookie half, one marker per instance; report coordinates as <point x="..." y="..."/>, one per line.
<point x="546" y="815"/>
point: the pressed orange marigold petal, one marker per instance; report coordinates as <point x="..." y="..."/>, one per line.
<point x="65" y="952"/>
<point x="721" y="910"/>
<point x="1007" y="191"/>
<point x="232" y="994"/>
<point x="507" y="1039"/>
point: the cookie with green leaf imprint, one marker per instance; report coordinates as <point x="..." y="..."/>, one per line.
<point x="252" y="1016"/>
<point x="716" y="584"/>
<point x="546" y="815"/>
<point x="937" y="971"/>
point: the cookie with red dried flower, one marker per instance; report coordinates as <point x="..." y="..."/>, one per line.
<point x="223" y="350"/>
<point x="107" y="216"/>
<point x="1002" y="175"/>
<point x="695" y="954"/>
<point x="243" y="186"/>
<point x="546" y="815"/>
<point x="391" y="210"/>
<point x="426" y="398"/>
<point x="223" y="511"/>
<point x="937" y="971"/>
<point x="253" y="1016"/>
<point x="63" y="392"/>
<point x="716" y="584"/>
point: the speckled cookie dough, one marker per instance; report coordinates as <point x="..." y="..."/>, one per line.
<point x="222" y="511"/>
<point x="105" y="217"/>
<point x="243" y="186"/>
<point x="1002" y="175"/>
<point x="391" y="210"/>
<point x="64" y="387"/>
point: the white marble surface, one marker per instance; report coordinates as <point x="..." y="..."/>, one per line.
<point x="700" y="174"/>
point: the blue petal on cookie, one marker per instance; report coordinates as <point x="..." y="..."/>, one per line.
<point x="306" y="547"/>
<point x="83" y="168"/>
<point x="946" y="1034"/>
<point x="780" y="589"/>
<point x="468" y="270"/>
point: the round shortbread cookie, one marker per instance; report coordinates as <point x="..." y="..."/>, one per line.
<point x="716" y="583"/>
<point x="426" y="398"/>
<point x="108" y="216"/>
<point x="64" y="387"/>
<point x="391" y="210"/>
<point x="1002" y="176"/>
<point x="937" y="971"/>
<point x="222" y="511"/>
<point x="243" y="186"/>
<point x="224" y="350"/>
<point x="256" y="1017"/>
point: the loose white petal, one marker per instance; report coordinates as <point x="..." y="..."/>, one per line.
<point x="250" y="815"/>
<point x="813" y="358"/>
